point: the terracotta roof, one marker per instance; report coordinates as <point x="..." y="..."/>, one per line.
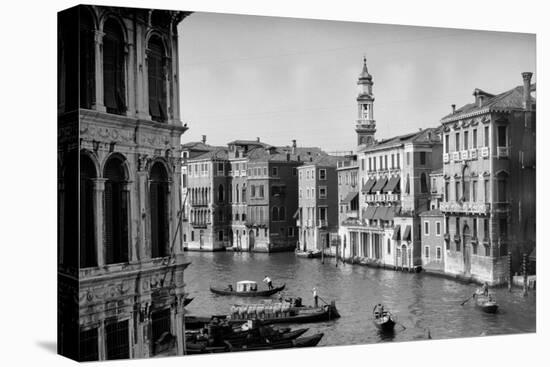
<point x="509" y="100"/>
<point x="432" y="213"/>
<point x="199" y="145"/>
<point x="423" y="136"/>
<point x="213" y="154"/>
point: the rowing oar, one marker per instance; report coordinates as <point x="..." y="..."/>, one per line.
<point x="469" y="298"/>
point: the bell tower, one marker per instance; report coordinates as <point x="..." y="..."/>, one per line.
<point x="365" y="126"/>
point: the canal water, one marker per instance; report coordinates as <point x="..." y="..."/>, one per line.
<point x="425" y="305"/>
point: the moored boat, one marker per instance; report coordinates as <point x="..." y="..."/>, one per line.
<point x="309" y="254"/>
<point x="383" y="319"/>
<point x="246" y="288"/>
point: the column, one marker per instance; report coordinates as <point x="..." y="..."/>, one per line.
<point x="142" y="229"/>
<point x="132" y="249"/>
<point x="98" y="44"/>
<point x="99" y="190"/>
<point x="101" y="339"/>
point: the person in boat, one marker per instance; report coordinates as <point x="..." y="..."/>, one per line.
<point x="230" y="288"/>
<point x="485" y="289"/>
<point x="315" y="297"/>
<point x="268" y="281"/>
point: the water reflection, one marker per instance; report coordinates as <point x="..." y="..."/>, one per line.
<point x="425" y="306"/>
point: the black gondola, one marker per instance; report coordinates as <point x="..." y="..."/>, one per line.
<point x="486" y="302"/>
<point x="383" y="319"/>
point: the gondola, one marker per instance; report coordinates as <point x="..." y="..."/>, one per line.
<point x="309" y="254"/>
<point x="382" y="319"/>
<point x="485" y="302"/>
<point x="246" y="288"/>
<point x="283" y="313"/>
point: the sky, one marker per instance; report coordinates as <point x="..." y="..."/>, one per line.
<point x="243" y="77"/>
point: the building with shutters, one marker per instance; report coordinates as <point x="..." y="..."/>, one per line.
<point x="120" y="261"/>
<point x="432" y="243"/>
<point x="489" y="174"/>
<point x="394" y="188"/>
<point x="243" y="196"/>
<point x="317" y="217"/>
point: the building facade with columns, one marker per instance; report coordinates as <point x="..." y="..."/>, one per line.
<point x="489" y="173"/>
<point x="119" y="95"/>
<point x="394" y="188"/>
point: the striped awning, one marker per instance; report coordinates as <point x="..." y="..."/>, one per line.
<point x="392" y="184"/>
<point x="380" y="212"/>
<point x="396" y="233"/>
<point x="349" y="198"/>
<point x="369" y="212"/>
<point x="368" y="186"/>
<point x="407" y="233"/>
<point x="380" y="183"/>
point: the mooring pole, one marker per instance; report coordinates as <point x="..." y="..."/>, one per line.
<point x="510" y="276"/>
<point x="524" y="268"/>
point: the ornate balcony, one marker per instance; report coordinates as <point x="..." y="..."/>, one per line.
<point x="503" y="152"/>
<point x="364" y="125"/>
<point x="485" y="152"/>
<point x="445" y="157"/>
<point x="473" y="153"/>
<point x="466" y="207"/>
<point x="464" y="155"/>
<point x="456" y="156"/>
<point x="322" y="223"/>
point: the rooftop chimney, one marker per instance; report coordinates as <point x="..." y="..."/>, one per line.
<point x="258" y="139"/>
<point x="453" y="107"/>
<point x="527" y="90"/>
<point x="204" y="139"/>
<point x="293" y="146"/>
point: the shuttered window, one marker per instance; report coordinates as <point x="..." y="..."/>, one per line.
<point x="156" y="80"/>
<point x="87" y="227"/>
<point x="113" y="68"/>
<point x="117" y="340"/>
<point x="116" y="214"/>
<point x="87" y="62"/>
<point x="158" y="201"/>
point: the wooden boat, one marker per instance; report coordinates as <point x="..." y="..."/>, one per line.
<point x="310" y="341"/>
<point x="309" y="254"/>
<point x="485" y="302"/>
<point x="187" y="301"/>
<point x="283" y="312"/>
<point x="246" y="288"/>
<point x="383" y="319"/>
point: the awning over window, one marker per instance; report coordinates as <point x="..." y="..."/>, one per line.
<point x="349" y="198"/>
<point x="407" y="234"/>
<point x="392" y="185"/>
<point x="369" y="212"/>
<point x="379" y="184"/>
<point x="380" y="212"/>
<point x="368" y="185"/>
<point x="396" y="233"/>
<point x="390" y="213"/>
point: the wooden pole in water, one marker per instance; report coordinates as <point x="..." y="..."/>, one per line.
<point x="524" y="268"/>
<point x="510" y="276"/>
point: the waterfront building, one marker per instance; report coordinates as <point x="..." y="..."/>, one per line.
<point x="348" y="194"/>
<point x="394" y="183"/>
<point x="432" y="241"/>
<point x="243" y="196"/>
<point x="437" y="188"/>
<point x="489" y="172"/>
<point x="120" y="260"/>
<point x="317" y="216"/>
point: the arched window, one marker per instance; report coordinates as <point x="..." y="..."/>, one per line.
<point x="407" y="185"/>
<point x="274" y="214"/>
<point x="116" y="212"/>
<point x="113" y="68"/>
<point x="230" y="193"/>
<point x="237" y="193"/>
<point x="282" y="213"/>
<point x="158" y="201"/>
<point x="243" y="194"/>
<point x="87" y="60"/>
<point x="156" y="79"/>
<point x="220" y="193"/>
<point x="423" y="183"/>
<point x="87" y="223"/>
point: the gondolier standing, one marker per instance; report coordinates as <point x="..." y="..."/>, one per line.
<point x="315" y="297"/>
<point x="267" y="280"/>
